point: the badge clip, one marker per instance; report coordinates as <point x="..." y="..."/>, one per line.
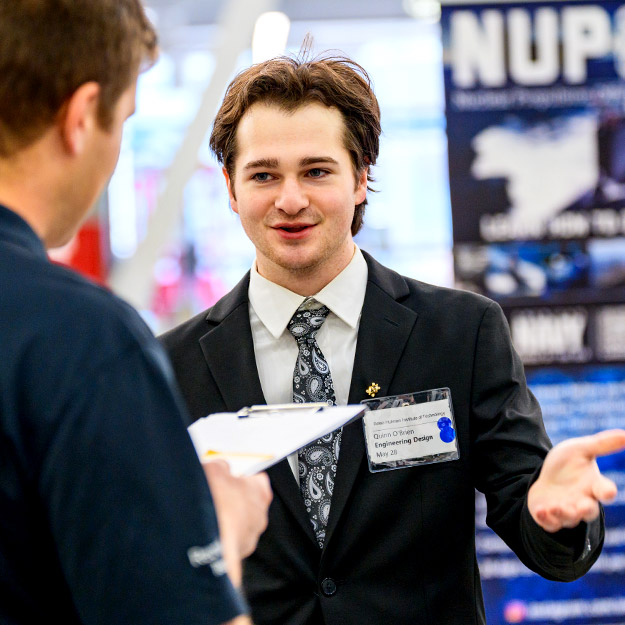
<point x="263" y="410"/>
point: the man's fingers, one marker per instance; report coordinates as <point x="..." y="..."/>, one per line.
<point x="603" y="443"/>
<point x="262" y="483"/>
<point x="547" y="520"/>
<point x="604" y="489"/>
<point x="588" y="509"/>
<point x="219" y="471"/>
<point x="566" y="515"/>
<point x="215" y="469"/>
<point x="554" y="517"/>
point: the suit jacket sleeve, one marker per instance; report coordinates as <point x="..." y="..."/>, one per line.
<point x="509" y="432"/>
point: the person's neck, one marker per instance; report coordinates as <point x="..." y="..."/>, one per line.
<point x="303" y="284"/>
<point x="19" y="199"/>
<point x="29" y="187"/>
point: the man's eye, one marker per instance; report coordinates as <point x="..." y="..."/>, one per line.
<point x="317" y="173"/>
<point x="261" y="177"/>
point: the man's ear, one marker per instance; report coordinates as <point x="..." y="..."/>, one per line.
<point x="230" y="185"/>
<point x="79" y="117"/>
<point x="361" y="186"/>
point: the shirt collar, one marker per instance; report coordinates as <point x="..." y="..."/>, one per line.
<point x="17" y="231"/>
<point x="344" y="296"/>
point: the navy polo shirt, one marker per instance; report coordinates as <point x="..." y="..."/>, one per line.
<point x="102" y="498"/>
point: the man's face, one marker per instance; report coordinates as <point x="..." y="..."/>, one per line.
<point x="110" y="139"/>
<point x="295" y="192"/>
<point x="93" y="168"/>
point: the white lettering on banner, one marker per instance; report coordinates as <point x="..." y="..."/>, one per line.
<point x="587" y="35"/>
<point x="606" y="222"/>
<point x="478" y="49"/>
<point x="570" y="226"/>
<point x="541" y="98"/>
<point x="598" y="222"/>
<point x="561" y="611"/>
<point x="544" y="69"/>
<point x="610" y="341"/>
<point x="502" y="227"/>
<point x="548" y="335"/>
<point x="540" y="47"/>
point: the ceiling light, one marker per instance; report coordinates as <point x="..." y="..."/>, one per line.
<point x="423" y="10"/>
<point x="270" y="36"/>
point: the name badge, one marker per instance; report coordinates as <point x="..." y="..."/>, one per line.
<point x="410" y="430"/>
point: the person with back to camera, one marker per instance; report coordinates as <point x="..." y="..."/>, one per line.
<point x="318" y="319"/>
<point x="105" y="513"/>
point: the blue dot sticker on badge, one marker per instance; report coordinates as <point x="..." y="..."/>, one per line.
<point x="447" y="433"/>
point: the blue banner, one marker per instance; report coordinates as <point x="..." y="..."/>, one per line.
<point x="535" y="105"/>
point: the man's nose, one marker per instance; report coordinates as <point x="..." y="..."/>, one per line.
<point x="292" y="197"/>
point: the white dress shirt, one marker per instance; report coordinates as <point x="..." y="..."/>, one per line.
<point x="271" y="308"/>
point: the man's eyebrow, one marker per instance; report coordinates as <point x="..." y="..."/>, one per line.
<point x="312" y="160"/>
<point x="269" y="163"/>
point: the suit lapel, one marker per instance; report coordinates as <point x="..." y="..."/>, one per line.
<point x="385" y="326"/>
<point x="229" y="352"/>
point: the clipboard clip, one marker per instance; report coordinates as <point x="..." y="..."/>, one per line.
<point x="264" y="410"/>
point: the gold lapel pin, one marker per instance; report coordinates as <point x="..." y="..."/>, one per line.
<point x="374" y="387"/>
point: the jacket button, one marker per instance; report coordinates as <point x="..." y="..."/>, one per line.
<point x="328" y="587"/>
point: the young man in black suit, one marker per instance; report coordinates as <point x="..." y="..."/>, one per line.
<point x="344" y="545"/>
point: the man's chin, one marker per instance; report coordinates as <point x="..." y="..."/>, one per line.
<point x="296" y="258"/>
<point x="299" y="268"/>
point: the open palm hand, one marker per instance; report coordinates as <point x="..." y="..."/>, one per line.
<point x="570" y="485"/>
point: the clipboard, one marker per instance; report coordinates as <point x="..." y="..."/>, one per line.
<point x="257" y="437"/>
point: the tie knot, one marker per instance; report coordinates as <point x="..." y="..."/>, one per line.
<point x="305" y="324"/>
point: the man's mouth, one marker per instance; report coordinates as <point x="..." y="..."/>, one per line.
<point x="293" y="229"/>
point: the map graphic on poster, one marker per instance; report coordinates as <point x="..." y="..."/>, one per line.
<point x="535" y="105"/>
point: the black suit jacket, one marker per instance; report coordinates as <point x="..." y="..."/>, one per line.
<point x="400" y="545"/>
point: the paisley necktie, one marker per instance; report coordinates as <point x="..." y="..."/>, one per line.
<point x="312" y="382"/>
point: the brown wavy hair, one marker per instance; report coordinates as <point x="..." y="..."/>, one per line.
<point x="289" y="83"/>
<point x="49" y="48"/>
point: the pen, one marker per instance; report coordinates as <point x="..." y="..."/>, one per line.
<point x="212" y="454"/>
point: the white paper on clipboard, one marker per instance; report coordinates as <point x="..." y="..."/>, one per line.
<point x="267" y="434"/>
